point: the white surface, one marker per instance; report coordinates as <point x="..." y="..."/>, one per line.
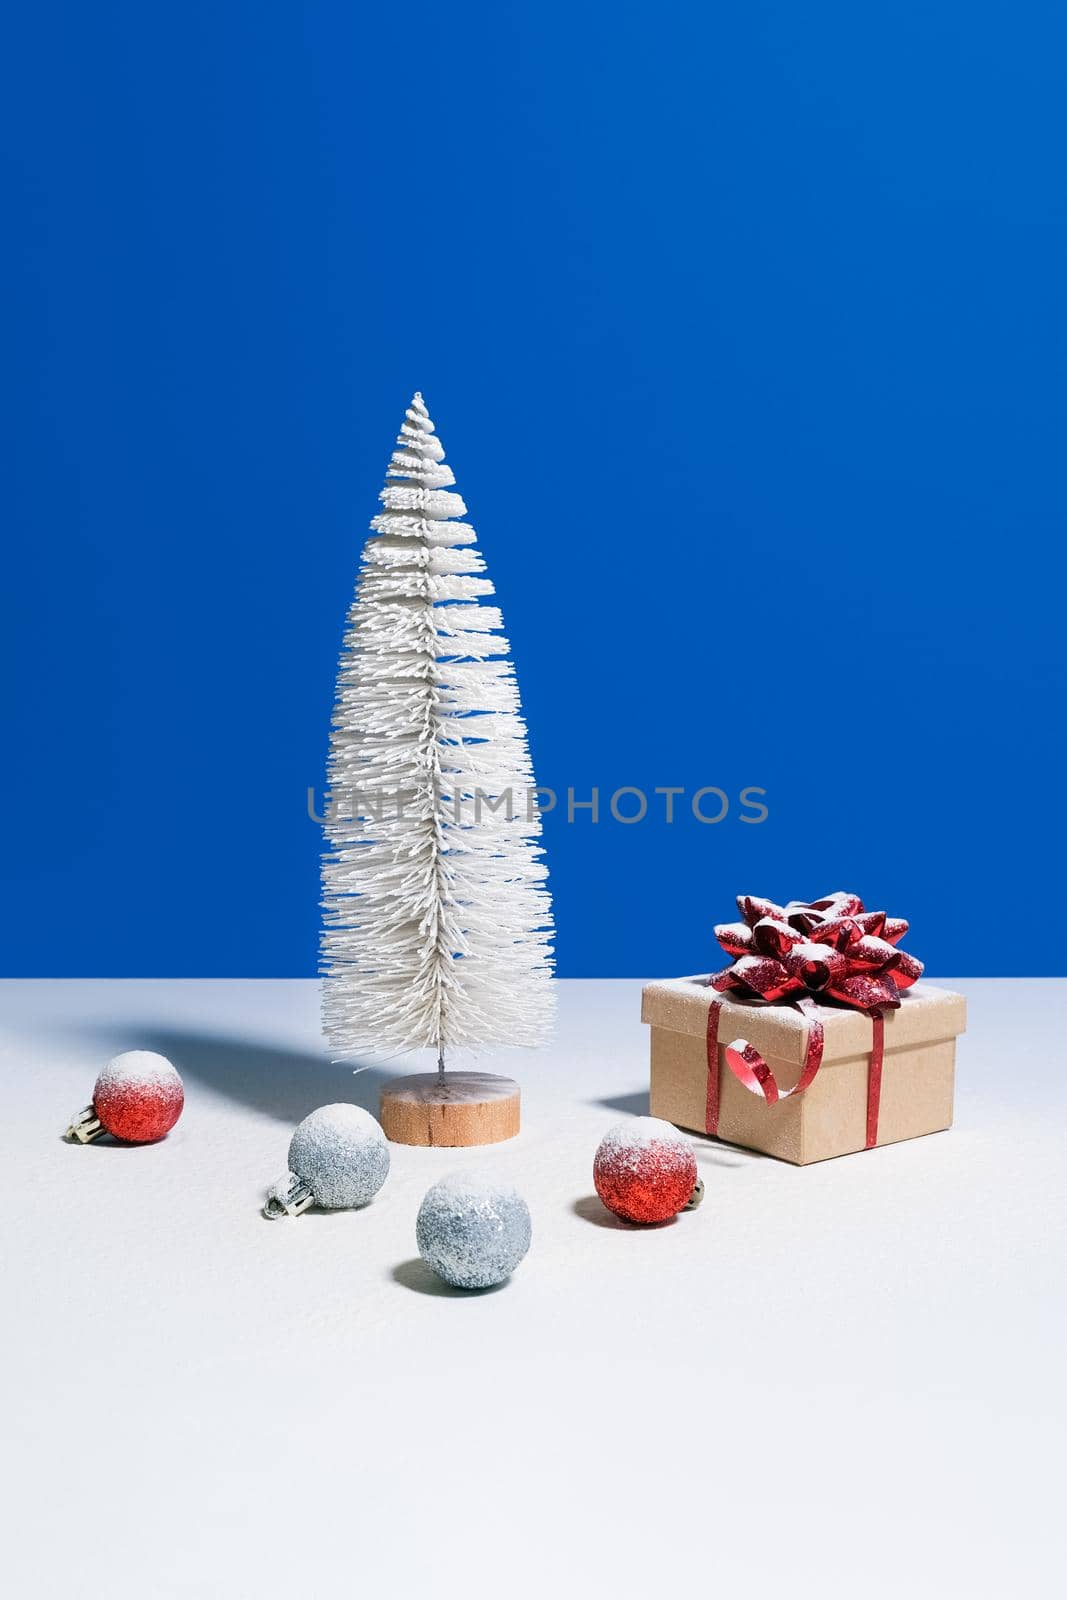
<point x="837" y="1380"/>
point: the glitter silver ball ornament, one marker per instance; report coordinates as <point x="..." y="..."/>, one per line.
<point x="338" y="1157"/>
<point x="472" y="1231"/>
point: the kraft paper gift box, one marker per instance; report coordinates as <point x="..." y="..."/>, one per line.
<point x="830" y="1115"/>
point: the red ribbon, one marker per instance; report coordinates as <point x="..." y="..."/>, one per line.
<point x="831" y="950"/>
<point x="874" y="1079"/>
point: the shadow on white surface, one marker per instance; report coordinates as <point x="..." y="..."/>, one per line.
<point x="592" y="1209"/>
<point x="330" y="1212"/>
<point x="713" y="1153"/>
<point x="631" y="1105"/>
<point x="283" y="1082"/>
<point x="107" y="1141"/>
<point x="416" y="1275"/>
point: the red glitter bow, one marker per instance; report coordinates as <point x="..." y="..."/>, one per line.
<point x="803" y="952"/>
<point x="830" y="949"/>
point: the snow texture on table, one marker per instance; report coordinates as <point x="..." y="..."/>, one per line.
<point x="836" y="1380"/>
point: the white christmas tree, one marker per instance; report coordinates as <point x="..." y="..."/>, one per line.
<point x="437" y="921"/>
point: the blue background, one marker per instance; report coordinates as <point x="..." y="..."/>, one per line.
<point x="743" y="326"/>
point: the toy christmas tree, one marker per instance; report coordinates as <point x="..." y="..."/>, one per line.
<point x="437" y="921"/>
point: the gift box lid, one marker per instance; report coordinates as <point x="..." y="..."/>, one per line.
<point x="925" y="1014"/>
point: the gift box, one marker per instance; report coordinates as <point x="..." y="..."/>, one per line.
<point x="818" y="1041"/>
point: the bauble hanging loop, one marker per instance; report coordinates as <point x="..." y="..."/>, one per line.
<point x="85" y="1127"/>
<point x="289" y="1197"/>
<point x="338" y="1158"/>
<point x="138" y="1097"/>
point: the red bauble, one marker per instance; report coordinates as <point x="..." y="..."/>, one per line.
<point x="645" y="1170"/>
<point x="138" y="1096"/>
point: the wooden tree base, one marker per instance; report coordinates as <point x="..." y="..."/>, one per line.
<point x="452" y="1109"/>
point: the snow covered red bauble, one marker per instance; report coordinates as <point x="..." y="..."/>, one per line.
<point x="138" y="1098"/>
<point x="645" y="1171"/>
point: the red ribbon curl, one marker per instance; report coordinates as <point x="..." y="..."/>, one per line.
<point x="803" y="953"/>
